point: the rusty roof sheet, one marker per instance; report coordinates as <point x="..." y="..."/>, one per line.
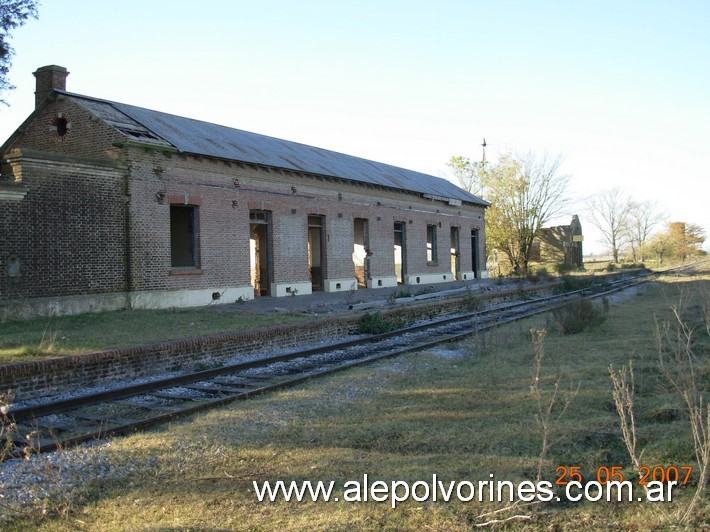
<point x="212" y="140"/>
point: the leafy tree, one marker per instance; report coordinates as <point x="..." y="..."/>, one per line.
<point x="13" y="14"/>
<point x="685" y="238"/>
<point x="680" y="240"/>
<point x="609" y="212"/>
<point x="525" y="193"/>
<point x="660" y="245"/>
<point x="467" y="173"/>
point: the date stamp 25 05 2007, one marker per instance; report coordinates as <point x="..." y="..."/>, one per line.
<point x="605" y="474"/>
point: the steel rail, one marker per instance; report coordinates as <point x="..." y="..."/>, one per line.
<point x="548" y="303"/>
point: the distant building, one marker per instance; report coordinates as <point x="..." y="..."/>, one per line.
<point x="561" y="244"/>
<point x="105" y="205"/>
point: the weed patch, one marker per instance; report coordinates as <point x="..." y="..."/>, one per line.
<point x="472" y="302"/>
<point x="578" y="315"/>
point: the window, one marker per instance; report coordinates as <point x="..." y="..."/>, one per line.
<point x="183" y="236"/>
<point x="431" y="243"/>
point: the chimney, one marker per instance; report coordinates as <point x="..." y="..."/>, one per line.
<point x="49" y="78"/>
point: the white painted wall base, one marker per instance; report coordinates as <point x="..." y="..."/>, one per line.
<point x="429" y="278"/>
<point x="190" y="298"/>
<point x="340" y="285"/>
<point x="382" y="282"/>
<point x="291" y="289"/>
<point x="483" y="274"/>
<point x="466" y="276"/>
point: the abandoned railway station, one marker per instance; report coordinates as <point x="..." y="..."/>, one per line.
<point x="105" y="205"/>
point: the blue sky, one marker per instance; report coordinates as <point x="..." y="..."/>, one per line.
<point x="619" y="88"/>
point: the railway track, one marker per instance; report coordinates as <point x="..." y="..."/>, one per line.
<point x="68" y="422"/>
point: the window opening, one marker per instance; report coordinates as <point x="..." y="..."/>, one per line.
<point x="183" y="236"/>
<point x="431" y="252"/>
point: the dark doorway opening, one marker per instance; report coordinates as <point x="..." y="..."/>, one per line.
<point x="361" y="252"/>
<point x="474" y="253"/>
<point x="316" y="246"/>
<point x="260" y="251"/>
<point x="400" y="251"/>
<point x="455" y="255"/>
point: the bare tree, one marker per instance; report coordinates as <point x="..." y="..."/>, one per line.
<point x="609" y="212"/>
<point x="643" y="217"/>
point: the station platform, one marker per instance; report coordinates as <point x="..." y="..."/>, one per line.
<point x="326" y="303"/>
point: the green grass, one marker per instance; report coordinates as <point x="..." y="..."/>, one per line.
<point x="462" y="411"/>
<point x="43" y="338"/>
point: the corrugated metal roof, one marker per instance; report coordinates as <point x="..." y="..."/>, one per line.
<point x="212" y="140"/>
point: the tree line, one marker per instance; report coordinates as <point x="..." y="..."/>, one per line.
<point x="628" y="226"/>
<point x="527" y="191"/>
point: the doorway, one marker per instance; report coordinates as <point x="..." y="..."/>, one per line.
<point x="315" y="251"/>
<point x="400" y="251"/>
<point x="474" y="253"/>
<point x="455" y="255"/>
<point x="260" y="251"/>
<point x="361" y="252"/>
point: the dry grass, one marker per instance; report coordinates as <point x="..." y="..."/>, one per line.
<point x="462" y="413"/>
<point x="43" y="338"/>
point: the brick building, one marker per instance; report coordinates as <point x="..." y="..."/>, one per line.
<point x="105" y="205"/>
<point x="561" y="244"/>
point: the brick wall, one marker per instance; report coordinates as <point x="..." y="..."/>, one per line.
<point x="290" y="198"/>
<point x="68" y="233"/>
<point x="86" y="136"/>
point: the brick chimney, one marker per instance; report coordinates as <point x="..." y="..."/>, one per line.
<point x="49" y="78"/>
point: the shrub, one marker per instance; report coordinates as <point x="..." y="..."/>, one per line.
<point x="577" y="316"/>
<point x="542" y="274"/>
<point x="562" y="267"/>
<point x="633" y="266"/>
<point x="375" y="323"/>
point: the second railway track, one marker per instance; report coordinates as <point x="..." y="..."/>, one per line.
<point x="85" y="418"/>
